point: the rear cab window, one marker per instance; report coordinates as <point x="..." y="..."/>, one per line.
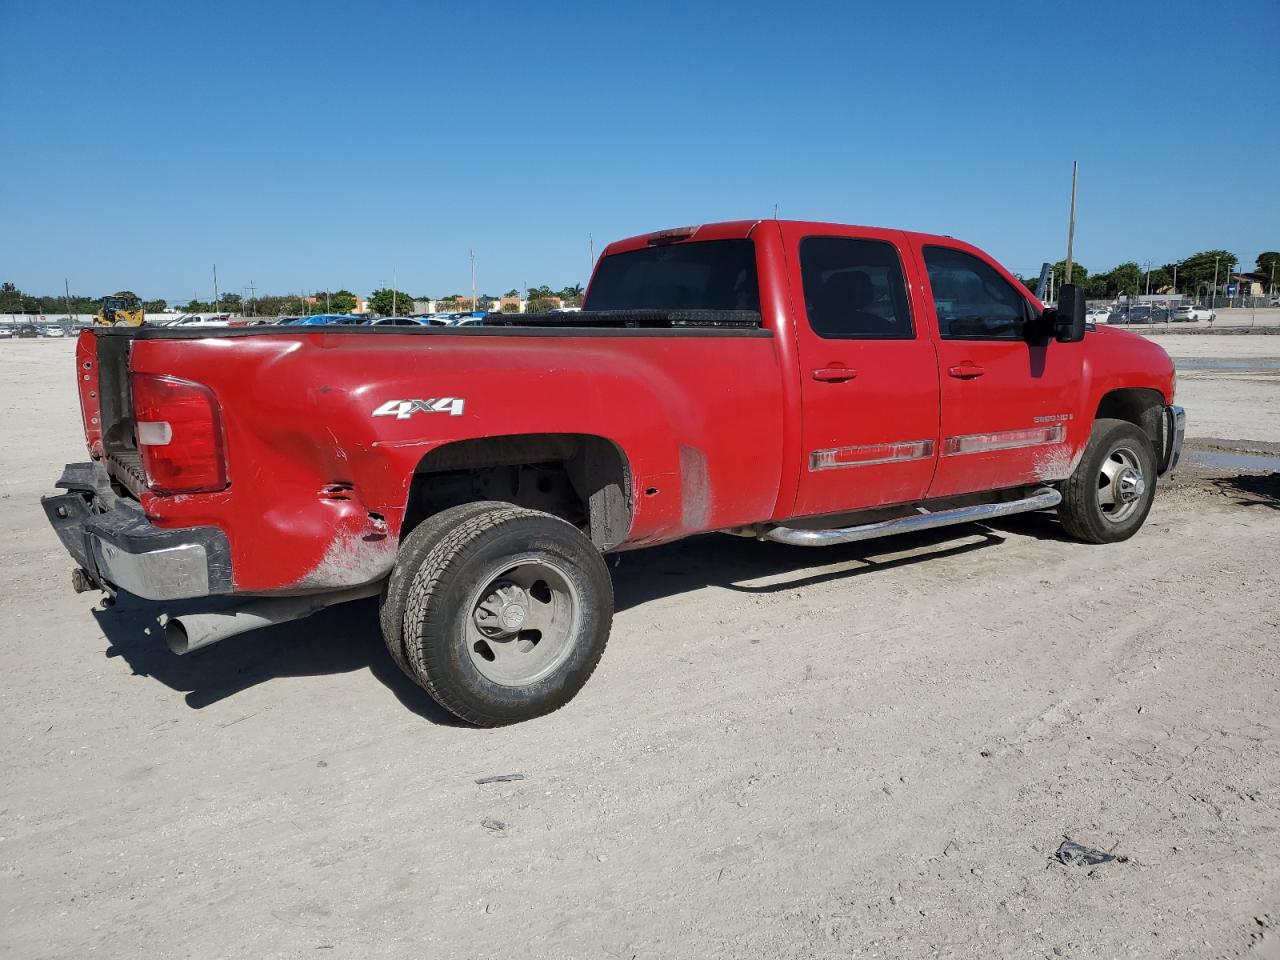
<point x="854" y="289"/>
<point x="697" y="275"/>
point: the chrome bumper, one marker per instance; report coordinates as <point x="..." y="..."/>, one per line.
<point x="1173" y="429"/>
<point x="119" y="549"/>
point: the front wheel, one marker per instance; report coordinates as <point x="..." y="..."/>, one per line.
<point x="1109" y="495"/>
<point x="507" y="615"/>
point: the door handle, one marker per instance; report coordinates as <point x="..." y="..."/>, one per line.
<point x="834" y="374"/>
<point x="966" y="371"/>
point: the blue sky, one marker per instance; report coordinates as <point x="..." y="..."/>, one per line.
<point x="305" y="145"/>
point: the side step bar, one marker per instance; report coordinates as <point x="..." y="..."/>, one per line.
<point x="1042" y="499"/>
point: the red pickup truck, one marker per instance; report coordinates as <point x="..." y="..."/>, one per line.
<point x="807" y="383"/>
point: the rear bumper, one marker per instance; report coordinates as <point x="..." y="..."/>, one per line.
<point x="1173" y="430"/>
<point x="118" y="548"/>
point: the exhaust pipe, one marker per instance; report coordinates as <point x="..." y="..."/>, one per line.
<point x="195" y="630"/>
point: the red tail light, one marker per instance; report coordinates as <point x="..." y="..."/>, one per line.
<point x="179" y="433"/>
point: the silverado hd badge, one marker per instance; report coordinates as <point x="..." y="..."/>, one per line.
<point x="404" y="409"/>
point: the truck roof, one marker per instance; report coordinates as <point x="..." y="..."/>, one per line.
<point x="742" y="229"/>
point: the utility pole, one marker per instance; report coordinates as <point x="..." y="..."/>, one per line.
<point x="395" y="282"/>
<point x="215" y="289"/>
<point x="67" y="288"/>
<point x="253" y="310"/>
<point x="1213" y="294"/>
<point x="1071" y="228"/>
<point x="1148" y="278"/>
<point x="473" y="281"/>
<point x="591" y="245"/>
<point x="1272" y="285"/>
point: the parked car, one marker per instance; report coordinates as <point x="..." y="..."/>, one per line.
<point x="474" y="480"/>
<point x="397" y="322"/>
<point x="1187" y="313"/>
<point x="6" y="332"/>
<point x="327" y="319"/>
<point x="1274" y="302"/>
<point x="26" y="331"/>
<point x="196" y="320"/>
<point x="54" y="331"/>
<point x="1098" y="314"/>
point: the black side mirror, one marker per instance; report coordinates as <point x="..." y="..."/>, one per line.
<point x="1069" y="317"/>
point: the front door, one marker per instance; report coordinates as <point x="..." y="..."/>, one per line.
<point x="1006" y="403"/>
<point x="868" y="373"/>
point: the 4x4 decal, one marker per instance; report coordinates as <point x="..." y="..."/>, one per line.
<point x="404" y="409"/>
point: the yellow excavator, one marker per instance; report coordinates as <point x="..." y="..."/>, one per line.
<point x="120" y="311"/>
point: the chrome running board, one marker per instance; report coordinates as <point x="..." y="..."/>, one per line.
<point x="1042" y="499"/>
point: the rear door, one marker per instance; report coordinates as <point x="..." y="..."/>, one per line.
<point x="1006" y="403"/>
<point x="868" y="370"/>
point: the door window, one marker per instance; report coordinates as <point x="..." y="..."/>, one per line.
<point x="853" y="289"/>
<point x="973" y="301"/>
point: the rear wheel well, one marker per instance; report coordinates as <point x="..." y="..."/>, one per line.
<point x="1138" y="405"/>
<point x="580" y="478"/>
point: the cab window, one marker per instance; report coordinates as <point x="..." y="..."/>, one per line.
<point x="854" y="289"/>
<point x="972" y="300"/>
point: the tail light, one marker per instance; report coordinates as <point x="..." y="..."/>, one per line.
<point x="179" y="432"/>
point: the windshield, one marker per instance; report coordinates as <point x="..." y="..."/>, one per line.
<point x="712" y="275"/>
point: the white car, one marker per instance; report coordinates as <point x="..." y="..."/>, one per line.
<point x="1187" y="313"/>
<point x="54" y="332"/>
<point x="1097" y="315"/>
<point x="195" y="320"/>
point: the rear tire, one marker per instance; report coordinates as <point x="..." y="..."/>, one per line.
<point x="415" y="548"/>
<point x="508" y="615"/>
<point x="1109" y="495"/>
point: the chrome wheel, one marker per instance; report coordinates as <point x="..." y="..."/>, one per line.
<point x="1121" y="485"/>
<point x="523" y="621"/>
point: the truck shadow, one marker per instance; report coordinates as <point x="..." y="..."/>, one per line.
<point x="340" y="639"/>
<point x="748" y="566"/>
<point x="346" y="638"/>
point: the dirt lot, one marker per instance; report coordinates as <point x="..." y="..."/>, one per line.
<point x="871" y="751"/>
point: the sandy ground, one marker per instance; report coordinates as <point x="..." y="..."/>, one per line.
<point x="870" y="751"/>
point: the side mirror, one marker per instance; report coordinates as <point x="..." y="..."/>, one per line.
<point x="1069" y="317"/>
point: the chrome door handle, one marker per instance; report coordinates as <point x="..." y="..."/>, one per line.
<point x="834" y="374"/>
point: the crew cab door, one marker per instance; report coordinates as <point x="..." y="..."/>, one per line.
<point x="868" y="372"/>
<point x="1006" y="403"/>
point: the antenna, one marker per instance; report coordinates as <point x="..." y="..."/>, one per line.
<point x="775" y="211"/>
<point x="215" y="289"/>
<point x="1071" y="228"/>
<point x="473" y="281"/>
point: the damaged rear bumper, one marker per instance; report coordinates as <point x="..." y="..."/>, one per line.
<point x="118" y="548"/>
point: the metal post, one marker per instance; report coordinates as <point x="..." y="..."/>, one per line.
<point x="473" y="281"/>
<point x="1071" y="228"/>
<point x="215" y="289"/>
<point x="1213" y="294"/>
<point x="1148" y="278"/>
<point x="67" y="288"/>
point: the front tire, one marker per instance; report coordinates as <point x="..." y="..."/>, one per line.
<point x="1109" y="495"/>
<point x="508" y="615"/>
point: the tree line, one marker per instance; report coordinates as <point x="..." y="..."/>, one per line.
<point x="1193" y="276"/>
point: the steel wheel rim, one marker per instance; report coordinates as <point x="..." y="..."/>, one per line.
<point x="523" y="620"/>
<point x="1122" y="485"/>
